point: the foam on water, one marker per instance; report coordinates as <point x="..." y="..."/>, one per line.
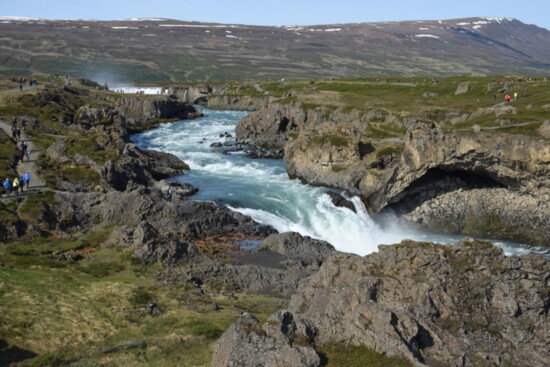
<point x="261" y="189"/>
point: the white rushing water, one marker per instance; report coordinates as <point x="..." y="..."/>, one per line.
<point x="132" y="89"/>
<point x="261" y="189"/>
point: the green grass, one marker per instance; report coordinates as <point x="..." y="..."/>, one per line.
<point x="390" y="150"/>
<point x="356" y="356"/>
<point x="75" y="312"/>
<point x="34" y="206"/>
<point x="8" y="158"/>
<point x="334" y="140"/>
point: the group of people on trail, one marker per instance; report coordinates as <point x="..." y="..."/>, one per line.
<point x="15" y="132"/>
<point x="16" y="135"/>
<point x="24" y="151"/>
<point x="18" y="183"/>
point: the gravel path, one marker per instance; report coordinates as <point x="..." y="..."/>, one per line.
<point x="36" y="184"/>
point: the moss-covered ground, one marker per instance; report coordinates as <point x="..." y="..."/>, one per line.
<point x="94" y="312"/>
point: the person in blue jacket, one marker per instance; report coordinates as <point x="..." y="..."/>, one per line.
<point x="7" y="186"/>
<point x="27" y="179"/>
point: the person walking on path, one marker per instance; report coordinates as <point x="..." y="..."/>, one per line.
<point x="15" y="186"/>
<point x="7" y="186"/>
<point x="21" y="183"/>
<point x="27" y="179"/>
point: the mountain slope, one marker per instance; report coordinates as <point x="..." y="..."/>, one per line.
<point x="142" y="50"/>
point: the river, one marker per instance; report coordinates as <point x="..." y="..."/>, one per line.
<point x="261" y="189"/>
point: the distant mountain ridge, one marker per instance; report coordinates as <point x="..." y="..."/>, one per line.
<point x="153" y="49"/>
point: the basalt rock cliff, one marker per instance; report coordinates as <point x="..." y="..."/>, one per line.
<point x="474" y="183"/>
<point x="462" y="305"/>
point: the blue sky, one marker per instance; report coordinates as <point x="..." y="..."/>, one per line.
<point x="281" y="12"/>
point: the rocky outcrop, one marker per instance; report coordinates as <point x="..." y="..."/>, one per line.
<point x="485" y="212"/>
<point x="330" y="148"/>
<point x="544" y="129"/>
<point x="58" y="152"/>
<point x="197" y="93"/>
<point x="180" y="218"/>
<point x="462" y="305"/>
<point x="219" y="96"/>
<point x="434" y="163"/>
<point x="268" y="127"/>
<point x="275" y="267"/>
<point x="247" y="343"/>
<point x="463" y="88"/>
<point x="136" y="166"/>
<point x="139" y="112"/>
<point x="238" y="102"/>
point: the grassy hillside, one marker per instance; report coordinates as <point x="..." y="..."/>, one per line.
<point x="172" y="50"/>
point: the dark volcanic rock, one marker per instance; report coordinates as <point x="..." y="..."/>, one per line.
<point x="139" y="112"/>
<point x="247" y="343"/>
<point x="339" y="200"/>
<point x="297" y="247"/>
<point x="275" y="267"/>
<point x="189" y="219"/>
<point x="462" y="305"/>
<point x="140" y="167"/>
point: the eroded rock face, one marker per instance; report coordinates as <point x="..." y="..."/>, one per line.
<point x="138" y="111"/>
<point x="136" y="166"/>
<point x="462" y="305"/>
<point x="487" y="212"/>
<point x="330" y="148"/>
<point x="181" y="218"/>
<point x="247" y="343"/>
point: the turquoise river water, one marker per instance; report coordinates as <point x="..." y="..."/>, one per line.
<point x="261" y="189"/>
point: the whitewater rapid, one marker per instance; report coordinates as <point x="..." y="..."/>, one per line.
<point x="261" y="189"/>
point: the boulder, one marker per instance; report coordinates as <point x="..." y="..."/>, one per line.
<point x="544" y="129"/>
<point x="247" y="343"/>
<point x="57" y="152"/>
<point x="463" y="88"/>
<point x="340" y="201"/>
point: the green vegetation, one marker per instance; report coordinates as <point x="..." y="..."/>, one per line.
<point x="395" y="150"/>
<point x="94" y="312"/>
<point x="334" y="140"/>
<point x="8" y="157"/>
<point x="339" y="168"/>
<point x="357" y="356"/>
